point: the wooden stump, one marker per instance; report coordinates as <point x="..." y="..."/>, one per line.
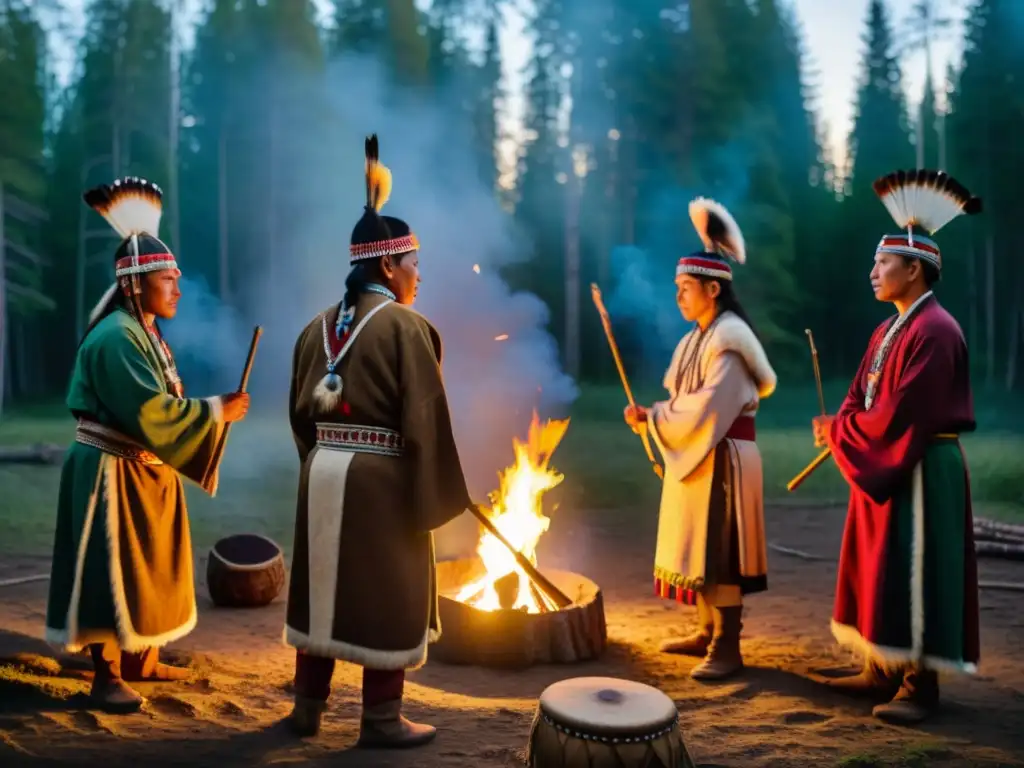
<point x="245" y="571"/>
<point x="511" y="638"/>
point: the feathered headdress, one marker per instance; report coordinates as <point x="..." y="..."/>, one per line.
<point x="374" y="235"/>
<point x="133" y="207"/>
<point x="378" y="176"/>
<point x="924" y="200"/>
<point x="722" y="238"/>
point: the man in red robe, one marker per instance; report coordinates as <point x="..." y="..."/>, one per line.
<point x="907" y="587"/>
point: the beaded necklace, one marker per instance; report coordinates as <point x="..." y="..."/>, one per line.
<point x="332" y="381"/>
<point x="878" y="362"/>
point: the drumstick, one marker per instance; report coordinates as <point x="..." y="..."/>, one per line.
<point x="817" y="369"/>
<point x="797" y="481"/>
<point x="606" y="322"/>
<point x="558" y="597"/>
<point x="218" y="452"/>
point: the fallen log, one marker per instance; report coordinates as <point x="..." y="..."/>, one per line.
<point x="984" y="534"/>
<point x="1009" y="586"/>
<point x="999" y="549"/>
<point x="40" y="453"/>
<point x="1012" y="529"/>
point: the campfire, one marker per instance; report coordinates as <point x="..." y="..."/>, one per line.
<point x="498" y="609"/>
<point x="516" y="511"/>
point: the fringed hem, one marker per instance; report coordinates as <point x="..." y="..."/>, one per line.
<point x="678" y="580"/>
<point x="850" y="638"/>
<point x="409" y="660"/>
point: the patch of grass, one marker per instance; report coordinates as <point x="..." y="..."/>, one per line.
<point x="603" y="462"/>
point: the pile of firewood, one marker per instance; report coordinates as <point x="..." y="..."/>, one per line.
<point x="997" y="539"/>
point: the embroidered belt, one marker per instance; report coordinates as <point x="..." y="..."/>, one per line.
<point x="113" y="442"/>
<point x="359" y="439"/>
<point x="742" y="429"/>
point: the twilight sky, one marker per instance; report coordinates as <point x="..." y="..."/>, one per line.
<point x="832" y="31"/>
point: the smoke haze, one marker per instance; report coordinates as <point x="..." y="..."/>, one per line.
<point x="492" y="385"/>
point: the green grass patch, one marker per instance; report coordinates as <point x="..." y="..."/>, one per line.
<point x="603" y="462"/>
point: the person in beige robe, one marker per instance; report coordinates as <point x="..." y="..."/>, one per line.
<point x="379" y="472"/>
<point x="711" y="548"/>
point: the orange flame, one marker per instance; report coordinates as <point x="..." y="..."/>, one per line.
<point x="517" y="513"/>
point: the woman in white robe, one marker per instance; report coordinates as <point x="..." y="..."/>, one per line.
<point x="711" y="548"/>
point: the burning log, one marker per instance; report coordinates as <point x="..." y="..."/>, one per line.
<point x="514" y="638"/>
<point x="498" y="609"/>
<point x="538" y="581"/>
<point x="507" y="588"/>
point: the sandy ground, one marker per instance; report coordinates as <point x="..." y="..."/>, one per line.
<point x="774" y="715"/>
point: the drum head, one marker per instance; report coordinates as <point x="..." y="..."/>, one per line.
<point x="607" y="706"/>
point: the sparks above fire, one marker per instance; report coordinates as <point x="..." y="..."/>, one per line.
<point x="516" y="512"/>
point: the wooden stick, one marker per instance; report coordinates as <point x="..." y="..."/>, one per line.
<point x="558" y="597"/>
<point x="794" y="552"/>
<point x="24" y="580"/>
<point x="606" y="322"/>
<point x="218" y="452"/>
<point x="817" y="369"/>
<point x="540" y="599"/>
<point x="797" y="481"/>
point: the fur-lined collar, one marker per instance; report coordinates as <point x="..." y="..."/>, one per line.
<point x="730" y="334"/>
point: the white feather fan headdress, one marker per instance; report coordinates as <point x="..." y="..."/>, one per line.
<point x="924" y="200"/>
<point x="722" y="238"/>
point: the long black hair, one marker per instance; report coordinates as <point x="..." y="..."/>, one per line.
<point x="728" y="301"/>
<point x="364" y="273"/>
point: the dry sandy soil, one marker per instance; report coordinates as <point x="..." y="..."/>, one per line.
<point x="774" y="715"/>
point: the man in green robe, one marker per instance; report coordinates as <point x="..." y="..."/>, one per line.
<point x="121" y="580"/>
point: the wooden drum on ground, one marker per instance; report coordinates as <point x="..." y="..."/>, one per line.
<point x="593" y="722"/>
<point x="244" y="571"/>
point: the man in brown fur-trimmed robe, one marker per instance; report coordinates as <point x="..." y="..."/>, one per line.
<point x="121" y="581"/>
<point x="711" y="546"/>
<point x="379" y="472"/>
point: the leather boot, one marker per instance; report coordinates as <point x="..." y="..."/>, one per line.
<point x="724" y="658"/>
<point x="383" y="727"/>
<point x="304" y="719"/>
<point x="873" y="682"/>
<point x="696" y="643"/>
<point x="146" y="666"/>
<point x="110" y="692"/>
<point x="917" y="698"/>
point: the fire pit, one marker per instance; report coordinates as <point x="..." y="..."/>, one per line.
<point x="510" y="638"/>
<point x="492" y="613"/>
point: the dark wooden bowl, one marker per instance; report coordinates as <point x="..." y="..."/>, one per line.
<point x="245" y="571"/>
